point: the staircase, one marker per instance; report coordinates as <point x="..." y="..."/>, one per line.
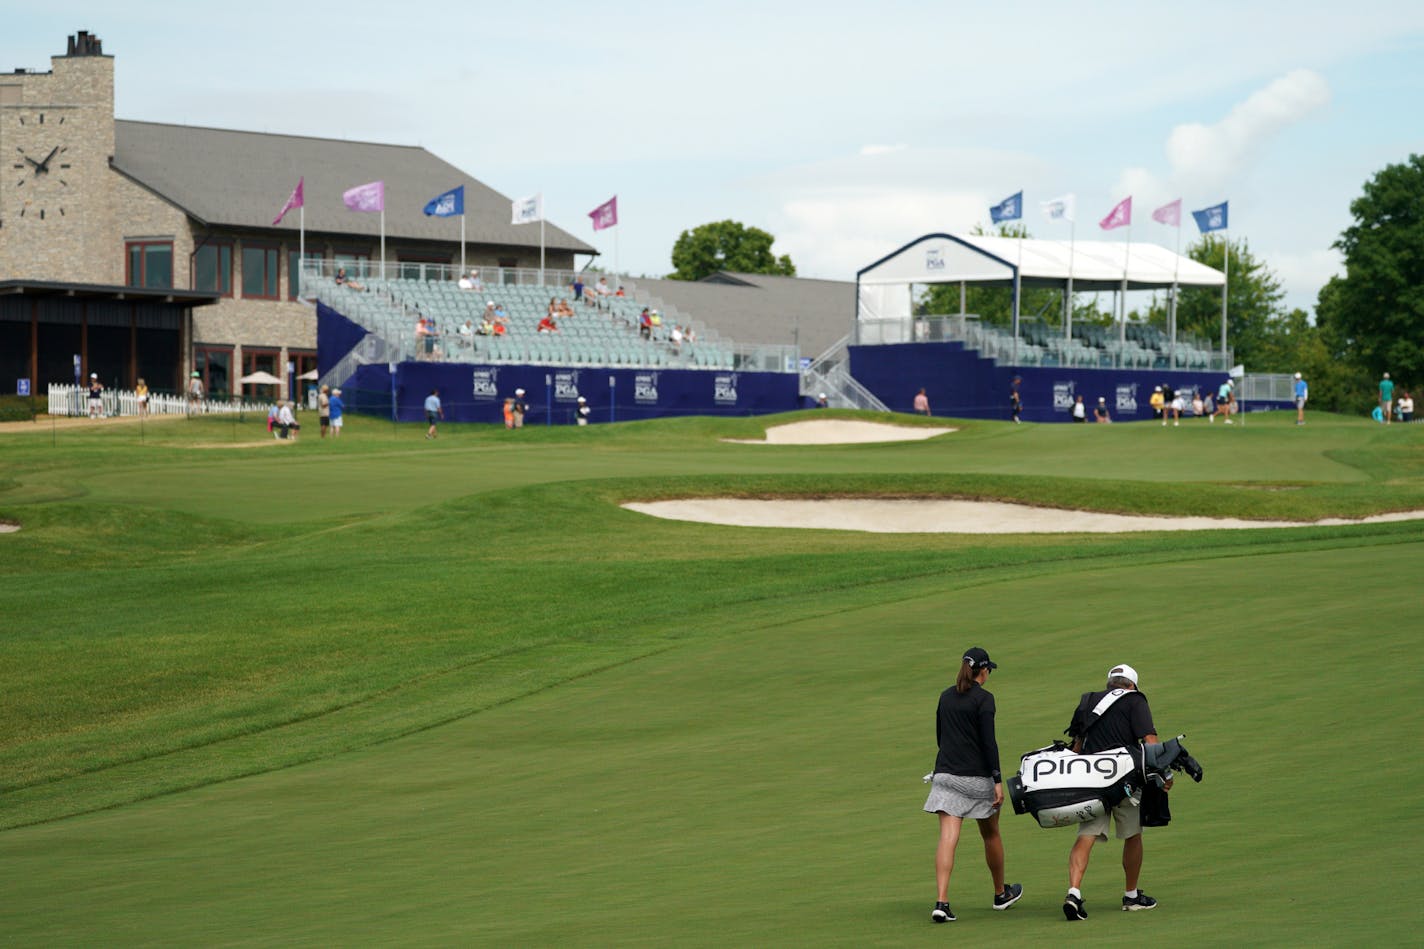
<point x="828" y="374"/>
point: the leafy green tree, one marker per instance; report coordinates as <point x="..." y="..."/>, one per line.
<point x="1253" y="302"/>
<point x="726" y="245"/>
<point x="1374" y="315"/>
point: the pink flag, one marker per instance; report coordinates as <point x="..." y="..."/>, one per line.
<point x="606" y="214"/>
<point x="371" y="197"/>
<point x="1120" y="216"/>
<point x="295" y="201"/>
<point x="1169" y="214"/>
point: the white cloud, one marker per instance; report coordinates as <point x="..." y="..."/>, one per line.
<point x="1312" y="268"/>
<point x="1204" y="157"/>
<point x="881" y="149"/>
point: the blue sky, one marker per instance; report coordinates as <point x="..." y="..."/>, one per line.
<point x="844" y="129"/>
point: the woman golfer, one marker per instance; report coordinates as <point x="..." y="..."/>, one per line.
<point x="966" y="780"/>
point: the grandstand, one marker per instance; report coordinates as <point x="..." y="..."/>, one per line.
<point x="603" y="335"/>
<point x="1091" y="346"/>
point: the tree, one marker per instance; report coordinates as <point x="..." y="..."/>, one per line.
<point x="726" y="245"/>
<point x="1253" y="303"/>
<point x="1374" y="315"/>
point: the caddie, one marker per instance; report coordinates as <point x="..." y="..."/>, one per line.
<point x="1116" y="717"/>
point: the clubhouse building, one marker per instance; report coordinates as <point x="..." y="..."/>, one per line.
<point x="142" y="249"/>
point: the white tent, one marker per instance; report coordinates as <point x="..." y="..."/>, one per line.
<point x="884" y="289"/>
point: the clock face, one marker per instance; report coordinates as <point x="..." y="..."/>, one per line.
<point x="39" y="170"/>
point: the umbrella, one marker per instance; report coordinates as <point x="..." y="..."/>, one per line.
<point x="310" y="376"/>
<point x="261" y="379"/>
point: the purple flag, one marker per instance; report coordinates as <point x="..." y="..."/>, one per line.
<point x="1169" y="214"/>
<point x="1119" y="216"/>
<point x="606" y="214"/>
<point x="371" y="197"/>
<point x="295" y="201"/>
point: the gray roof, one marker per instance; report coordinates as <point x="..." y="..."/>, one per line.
<point x="242" y="179"/>
<point x="762" y="309"/>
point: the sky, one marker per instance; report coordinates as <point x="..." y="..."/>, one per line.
<point x="845" y="130"/>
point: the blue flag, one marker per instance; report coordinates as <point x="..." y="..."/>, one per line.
<point x="1009" y="209"/>
<point x="1212" y="218"/>
<point x="448" y="204"/>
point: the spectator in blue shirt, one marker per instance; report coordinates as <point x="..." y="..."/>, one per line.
<point x="338" y="410"/>
<point x="1302" y="392"/>
<point x="433" y="411"/>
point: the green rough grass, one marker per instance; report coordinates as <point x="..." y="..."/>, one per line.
<point x="461" y="680"/>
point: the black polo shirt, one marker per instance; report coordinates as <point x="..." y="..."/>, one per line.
<point x="964" y="728"/>
<point x="1126" y="722"/>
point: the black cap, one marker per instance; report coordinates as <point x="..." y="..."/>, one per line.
<point x="979" y="659"/>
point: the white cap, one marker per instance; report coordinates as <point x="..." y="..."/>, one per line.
<point x="582" y="399"/>
<point x="1297" y="375"/>
<point x="93" y="375"/>
<point x="518" y="391"/>
<point x="1123" y="671"/>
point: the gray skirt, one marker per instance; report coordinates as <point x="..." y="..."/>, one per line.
<point x="959" y="796"/>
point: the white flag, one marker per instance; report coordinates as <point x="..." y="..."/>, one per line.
<point x="1064" y="208"/>
<point x="528" y="210"/>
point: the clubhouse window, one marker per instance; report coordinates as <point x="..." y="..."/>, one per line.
<point x="214" y="366"/>
<point x="150" y="264"/>
<point x="356" y="262"/>
<point x="262" y="360"/>
<point x="294" y="272"/>
<point x="212" y="268"/>
<point x="260" y="271"/>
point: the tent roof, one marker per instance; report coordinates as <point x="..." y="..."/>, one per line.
<point x="1096" y="265"/>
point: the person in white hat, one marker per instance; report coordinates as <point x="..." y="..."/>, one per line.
<point x="1302" y="392"/>
<point x="96" y="396"/>
<point x="520" y="408"/>
<point x="583" y="411"/>
<point x="1115" y="717"/>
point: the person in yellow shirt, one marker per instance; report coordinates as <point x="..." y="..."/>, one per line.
<point x="1157" y="401"/>
<point x="141" y="390"/>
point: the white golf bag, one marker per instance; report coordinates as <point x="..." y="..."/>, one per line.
<point x="1061" y="788"/>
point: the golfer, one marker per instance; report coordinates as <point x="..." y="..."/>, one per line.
<point x="1116" y="717"/>
<point x="966" y="780"/>
<point x="1302" y="393"/>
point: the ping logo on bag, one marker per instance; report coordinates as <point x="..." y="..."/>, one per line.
<point x="1045" y="769"/>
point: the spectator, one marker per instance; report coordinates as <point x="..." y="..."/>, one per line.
<point x="323" y="409"/>
<point x="96" y="396"/>
<point x="141" y="391"/>
<point x="603" y="290"/>
<point x="475" y="282"/>
<point x="577" y="288"/>
<point x="338" y="411"/>
<point x="1080" y="411"/>
<point x="676" y="338"/>
<point x="1015" y="403"/>
<point x="689" y="334"/>
<point x="922" y="403"/>
<point x="655" y="322"/>
<point x="1197" y="404"/>
<point x="424" y="338"/>
<point x="500" y="313"/>
<point x="467" y="334"/>
<point x="1100" y="414"/>
<point x="645" y="324"/>
<point x="1158" y="400"/>
<point x="583" y="411"/>
<point x="508" y="413"/>
<point x="465" y="283"/>
<point x="500" y="328"/>
<point x="1406" y="407"/>
<point x="822" y="402"/>
<point x="1302" y="392"/>
<point x="343" y="280"/>
<point x="286" y="421"/>
<point x="486" y="327"/>
<point x="563" y="309"/>
<point x="1386" y="397"/>
<point x="434" y="411"/>
<point x="620" y="292"/>
<point x="195" y="392"/>
<point x="520" y="408"/>
<point x="547" y="325"/>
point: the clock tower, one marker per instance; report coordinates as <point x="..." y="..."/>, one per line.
<point x="56" y="140"/>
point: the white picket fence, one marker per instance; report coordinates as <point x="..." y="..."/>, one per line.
<point x="74" y="400"/>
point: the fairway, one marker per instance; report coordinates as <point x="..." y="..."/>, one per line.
<point x="391" y="692"/>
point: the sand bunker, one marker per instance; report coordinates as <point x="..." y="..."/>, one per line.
<point x="840" y="432"/>
<point x="949" y="517"/>
<point x="8" y="528"/>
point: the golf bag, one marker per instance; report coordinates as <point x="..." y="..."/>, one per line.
<point x="1061" y="788"/>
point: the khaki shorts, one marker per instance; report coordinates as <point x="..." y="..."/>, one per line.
<point x="1127" y="817"/>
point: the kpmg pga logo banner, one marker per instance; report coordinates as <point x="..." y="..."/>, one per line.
<point x="566" y="386"/>
<point x="1127" y="398"/>
<point x="1063" y="396"/>
<point x="486" y="385"/>
<point x="934" y="258"/>
<point x="645" y="388"/>
<point x="724" y="389"/>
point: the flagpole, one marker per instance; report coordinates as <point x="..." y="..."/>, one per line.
<point x="383" y="238"/>
<point x="1226" y="281"/>
<point x="1018" y="285"/>
<point x="1122" y="309"/>
<point x="1172" y="309"/>
<point x="541" y="237"/>
<point x="1068" y="303"/>
<point x="462" y="243"/>
<point x="301" y="241"/>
